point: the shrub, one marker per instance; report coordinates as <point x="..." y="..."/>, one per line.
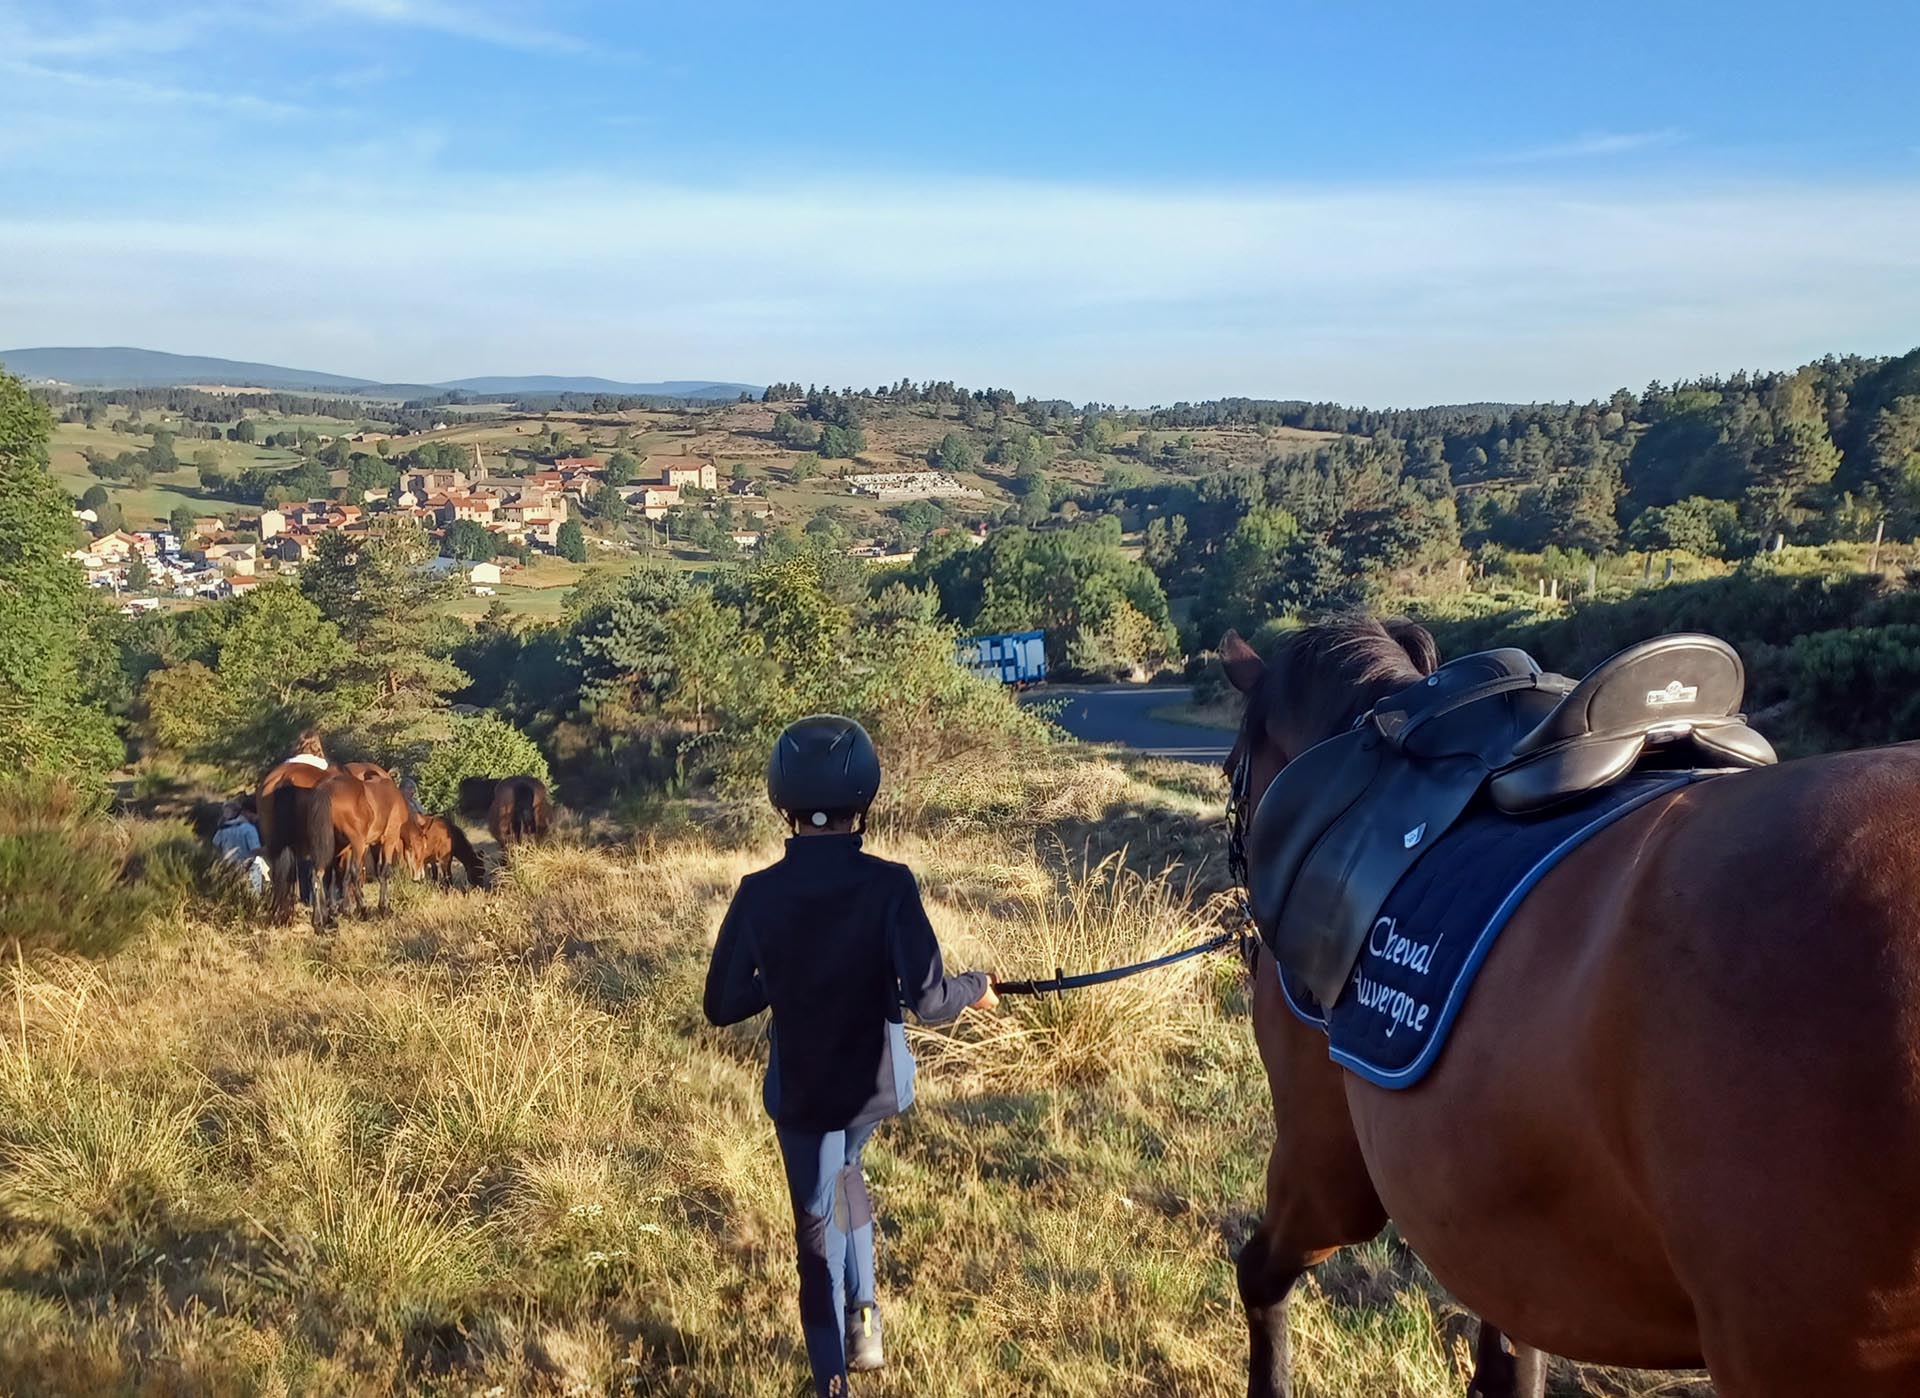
<point x="64" y="878"/>
<point x="1857" y="686"/>
<point x="480" y="747"/>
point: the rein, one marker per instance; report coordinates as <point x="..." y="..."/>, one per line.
<point x="1247" y="942"/>
<point x="1062" y="981"/>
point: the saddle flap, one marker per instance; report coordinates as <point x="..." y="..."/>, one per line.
<point x="1354" y="865"/>
<point x="1311" y="793"/>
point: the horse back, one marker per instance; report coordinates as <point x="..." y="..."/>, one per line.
<point x="1691" y="1058"/>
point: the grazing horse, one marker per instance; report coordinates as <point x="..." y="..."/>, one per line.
<point x="520" y="811"/>
<point x="283" y="800"/>
<point x="434" y="844"/>
<point x="1678" y="1120"/>
<point x="354" y="825"/>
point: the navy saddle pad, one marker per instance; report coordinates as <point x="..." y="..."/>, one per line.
<point x="1440" y="921"/>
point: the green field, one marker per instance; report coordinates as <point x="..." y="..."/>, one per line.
<point x="170" y="489"/>
<point x="538" y="603"/>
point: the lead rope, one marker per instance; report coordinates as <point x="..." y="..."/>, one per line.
<point x="1245" y="938"/>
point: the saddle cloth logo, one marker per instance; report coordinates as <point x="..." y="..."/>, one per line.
<point x="1674" y="693"/>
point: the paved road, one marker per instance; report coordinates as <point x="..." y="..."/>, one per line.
<point x="1123" y="714"/>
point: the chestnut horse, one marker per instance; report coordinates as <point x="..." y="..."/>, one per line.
<point x="1678" y="1122"/>
<point x="521" y="811"/>
<point x="354" y="824"/>
<point x="434" y="844"/>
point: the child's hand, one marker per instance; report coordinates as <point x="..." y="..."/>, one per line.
<point x="988" y="1000"/>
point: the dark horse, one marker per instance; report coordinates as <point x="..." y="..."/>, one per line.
<point x="434" y="844"/>
<point x="521" y="811"/>
<point x="283" y="800"/>
<point x="1678" y="1122"/>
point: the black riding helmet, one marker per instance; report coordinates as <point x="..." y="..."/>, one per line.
<point x="823" y="768"/>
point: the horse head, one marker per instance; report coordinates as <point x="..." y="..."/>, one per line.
<point x="412" y="835"/>
<point x="1320" y="679"/>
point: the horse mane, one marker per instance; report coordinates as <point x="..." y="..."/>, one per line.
<point x="1329" y="673"/>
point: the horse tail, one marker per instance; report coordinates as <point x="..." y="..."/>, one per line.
<point x="526" y="809"/>
<point x="468" y="856"/>
<point x="320" y="842"/>
<point x="281" y="824"/>
<point x="282" y="836"/>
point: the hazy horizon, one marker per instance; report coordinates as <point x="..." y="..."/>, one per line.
<point x="1078" y="203"/>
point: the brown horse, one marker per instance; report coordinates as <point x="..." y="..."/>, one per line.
<point x="1678" y="1122"/>
<point x="284" y="798"/>
<point x="354" y="825"/>
<point x="434" y="844"/>
<point x="521" y="811"/>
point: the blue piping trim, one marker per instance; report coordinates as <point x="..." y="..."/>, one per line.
<point x="1303" y="1015"/>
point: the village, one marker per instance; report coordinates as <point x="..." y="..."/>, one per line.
<point x="523" y="513"/>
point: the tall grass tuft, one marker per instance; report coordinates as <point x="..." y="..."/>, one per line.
<point x="380" y="1245"/>
<point x="1102" y="915"/>
<point x="82" y="1153"/>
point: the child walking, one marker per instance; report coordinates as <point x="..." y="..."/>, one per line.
<point x="834" y="941"/>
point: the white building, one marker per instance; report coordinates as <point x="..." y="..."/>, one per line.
<point x="910" y="485"/>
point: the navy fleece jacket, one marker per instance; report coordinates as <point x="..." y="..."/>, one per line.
<point x="835" y="942"/>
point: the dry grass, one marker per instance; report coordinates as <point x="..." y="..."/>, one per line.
<point x="489" y="1146"/>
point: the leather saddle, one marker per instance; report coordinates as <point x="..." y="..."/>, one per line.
<point x="1346" y="820"/>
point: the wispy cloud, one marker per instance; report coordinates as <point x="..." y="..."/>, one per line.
<point x="140" y="90"/>
<point x="1384" y="294"/>
<point x="1590" y="146"/>
<point x="58" y="36"/>
<point x="482" y="24"/>
<point x="43" y="31"/>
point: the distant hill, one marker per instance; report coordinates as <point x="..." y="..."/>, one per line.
<point x="125" y="367"/>
<point x="560" y="383"/>
<point x="120" y="366"/>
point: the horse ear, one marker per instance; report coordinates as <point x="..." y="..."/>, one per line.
<point x="1241" y="662"/>
<point x="1416" y="641"/>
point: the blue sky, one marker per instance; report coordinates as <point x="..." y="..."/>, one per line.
<point x="1387" y="203"/>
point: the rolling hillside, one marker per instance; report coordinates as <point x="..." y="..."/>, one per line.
<point x="122" y="366"/>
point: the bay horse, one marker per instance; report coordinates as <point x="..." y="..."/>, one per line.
<point x="354" y="824"/>
<point x="1678" y="1121"/>
<point x="283" y="800"/>
<point x="521" y="811"/>
<point x="434" y="844"/>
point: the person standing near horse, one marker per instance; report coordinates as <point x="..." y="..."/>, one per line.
<point x="237" y="842"/>
<point x="834" y="941"/>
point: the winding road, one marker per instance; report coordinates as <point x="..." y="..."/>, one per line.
<point x="1123" y="714"/>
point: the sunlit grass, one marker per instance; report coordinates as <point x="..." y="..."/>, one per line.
<point x="490" y="1145"/>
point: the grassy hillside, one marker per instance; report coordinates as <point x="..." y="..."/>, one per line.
<point x="490" y="1146"/>
<point x="169" y="490"/>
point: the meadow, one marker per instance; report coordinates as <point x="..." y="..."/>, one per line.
<point x="151" y="505"/>
<point x="489" y="1145"/>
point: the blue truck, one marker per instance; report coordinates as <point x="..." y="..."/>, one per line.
<point x="1012" y="657"/>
